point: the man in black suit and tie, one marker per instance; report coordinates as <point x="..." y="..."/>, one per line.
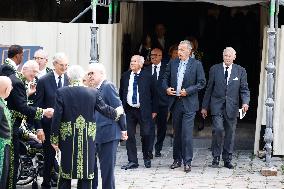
<point x="227" y="82"/>
<point x="183" y="79"/>
<point x="45" y="97"/>
<point x="138" y="98"/>
<point x="157" y="70"/>
<point x="108" y="132"/>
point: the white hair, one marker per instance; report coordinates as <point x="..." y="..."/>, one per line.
<point x="188" y="43"/>
<point x="98" y="67"/>
<point x="42" y="52"/>
<point x="75" y="73"/>
<point x="139" y="58"/>
<point x="230" y="50"/>
<point x="59" y="57"/>
<point x="30" y="64"/>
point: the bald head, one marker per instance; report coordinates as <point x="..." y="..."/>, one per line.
<point x="5" y="87"/>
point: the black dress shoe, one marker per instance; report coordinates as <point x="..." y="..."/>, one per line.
<point x="229" y="165"/>
<point x="215" y="162"/>
<point x="130" y="165"/>
<point x="147" y="163"/>
<point x="187" y="168"/>
<point x="175" y="164"/>
<point x="158" y="154"/>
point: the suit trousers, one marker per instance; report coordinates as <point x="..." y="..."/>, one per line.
<point x="222" y="123"/>
<point x="5" y="170"/>
<point x="161" y="121"/>
<point x="106" y="153"/>
<point x="133" y="117"/>
<point x="82" y="183"/>
<point x="183" y="123"/>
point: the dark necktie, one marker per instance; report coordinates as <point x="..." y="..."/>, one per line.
<point x="59" y="82"/>
<point x="135" y="84"/>
<point x="155" y="72"/>
<point x="226" y="73"/>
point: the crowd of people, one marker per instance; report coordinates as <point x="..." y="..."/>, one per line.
<point x="79" y="116"/>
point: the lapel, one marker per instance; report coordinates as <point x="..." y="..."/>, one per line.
<point x="187" y="71"/>
<point x="174" y="66"/>
<point x="233" y="75"/>
<point x="162" y="71"/>
<point x="66" y="80"/>
<point x="102" y="86"/>
<point x="126" y="80"/>
<point x="221" y="77"/>
<point x="52" y="81"/>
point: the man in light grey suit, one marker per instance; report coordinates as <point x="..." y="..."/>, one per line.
<point x="227" y="82"/>
<point x="183" y="78"/>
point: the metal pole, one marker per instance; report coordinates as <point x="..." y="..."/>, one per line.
<point x="270" y="68"/>
<point x="110" y="11"/>
<point x="94" y="45"/>
<point x="81" y="14"/>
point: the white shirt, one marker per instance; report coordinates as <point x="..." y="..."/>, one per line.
<point x="130" y="91"/>
<point x="229" y="71"/>
<point x="13" y="63"/>
<point x="41" y="73"/>
<point x="157" y="69"/>
<point x="99" y="85"/>
<point x="57" y="80"/>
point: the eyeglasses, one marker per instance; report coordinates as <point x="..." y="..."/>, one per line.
<point x="38" y="58"/>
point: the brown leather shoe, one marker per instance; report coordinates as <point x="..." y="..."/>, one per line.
<point x="187" y="168"/>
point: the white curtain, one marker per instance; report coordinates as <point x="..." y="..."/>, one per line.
<point x="73" y="39"/>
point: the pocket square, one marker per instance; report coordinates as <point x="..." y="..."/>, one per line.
<point x="236" y="78"/>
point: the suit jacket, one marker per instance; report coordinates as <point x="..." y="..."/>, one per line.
<point x="6" y="70"/>
<point x="218" y="94"/>
<point x="108" y="129"/>
<point x="147" y="94"/>
<point x="74" y="129"/>
<point x="45" y="95"/>
<point x="193" y="81"/>
<point x="162" y="96"/>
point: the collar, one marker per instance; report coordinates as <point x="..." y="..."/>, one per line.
<point x="56" y="75"/>
<point x="132" y="73"/>
<point x="185" y="61"/>
<point x="158" y="65"/>
<point x="230" y="67"/>
<point x="11" y="62"/>
<point x="100" y="84"/>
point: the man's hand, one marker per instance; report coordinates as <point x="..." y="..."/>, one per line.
<point x="124" y="135"/>
<point x="183" y="92"/>
<point x="171" y="91"/>
<point x="154" y="115"/>
<point x="55" y="146"/>
<point x="40" y="135"/>
<point x="204" y="113"/>
<point x="48" y="112"/>
<point x="245" y="107"/>
<point x="32" y="89"/>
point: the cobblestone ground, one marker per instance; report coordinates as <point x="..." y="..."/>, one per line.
<point x="245" y="175"/>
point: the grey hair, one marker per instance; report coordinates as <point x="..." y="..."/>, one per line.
<point x="30" y="64"/>
<point x="188" y="43"/>
<point x="231" y="50"/>
<point x="140" y="58"/>
<point x="98" y="67"/>
<point x="59" y="57"/>
<point x="43" y="52"/>
<point x="75" y="73"/>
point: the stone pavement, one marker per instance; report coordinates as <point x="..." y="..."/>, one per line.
<point x="245" y="175"/>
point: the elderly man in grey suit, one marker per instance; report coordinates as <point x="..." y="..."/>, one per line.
<point x="183" y="78"/>
<point x="227" y="82"/>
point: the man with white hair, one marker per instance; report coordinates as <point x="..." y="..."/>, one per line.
<point x="29" y="70"/>
<point x="139" y="99"/>
<point x="108" y="131"/>
<point x="45" y="97"/>
<point x="41" y="57"/>
<point x="73" y="129"/>
<point x="227" y="83"/>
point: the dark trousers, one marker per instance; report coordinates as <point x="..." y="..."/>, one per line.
<point x="161" y="121"/>
<point x="5" y="170"/>
<point x="183" y="123"/>
<point x="106" y="153"/>
<point x="133" y="117"/>
<point x="49" y="157"/>
<point x="15" y="149"/>
<point x="223" y="123"/>
<point x="82" y="183"/>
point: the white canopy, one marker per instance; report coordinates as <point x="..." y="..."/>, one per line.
<point x="235" y="3"/>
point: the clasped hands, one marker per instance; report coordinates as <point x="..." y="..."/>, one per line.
<point x="171" y="92"/>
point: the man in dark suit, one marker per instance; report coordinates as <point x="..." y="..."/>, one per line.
<point x="183" y="79"/>
<point x="108" y="131"/>
<point x="138" y="97"/>
<point x="157" y="70"/>
<point x="45" y="97"/>
<point x="74" y="129"/>
<point x="227" y="82"/>
<point x="18" y="105"/>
